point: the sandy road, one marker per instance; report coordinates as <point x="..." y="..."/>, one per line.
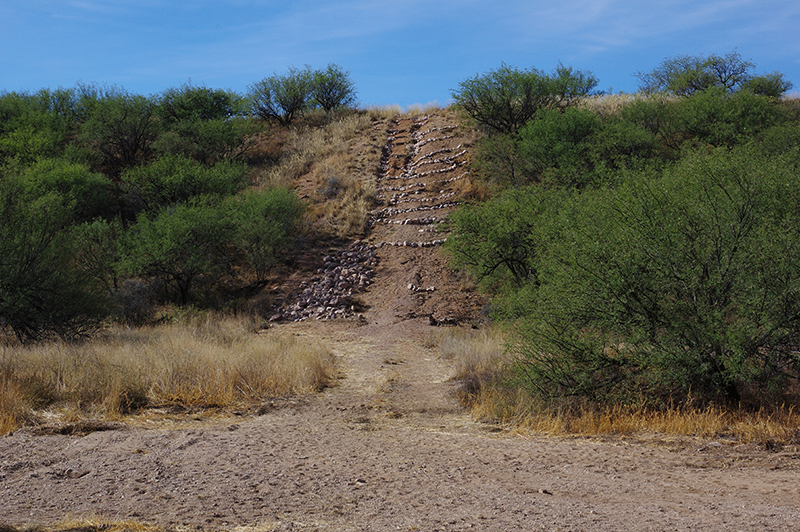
<point x="389" y="449"/>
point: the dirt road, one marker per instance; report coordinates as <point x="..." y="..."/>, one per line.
<point x="389" y="447"/>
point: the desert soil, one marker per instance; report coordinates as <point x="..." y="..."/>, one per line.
<point x="389" y="447"/>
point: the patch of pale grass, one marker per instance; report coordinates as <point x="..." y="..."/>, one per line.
<point x="611" y="104"/>
<point x="608" y="104"/>
<point x="210" y="362"/>
<point x="478" y="356"/>
<point x="384" y="112"/>
<point x="430" y="107"/>
<point x="304" y="146"/>
<point x="90" y="524"/>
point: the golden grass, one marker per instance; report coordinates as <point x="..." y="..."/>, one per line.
<point x="611" y="104"/>
<point x="89" y="525"/>
<point x="212" y="361"/>
<point x="481" y="363"/>
<point x="331" y="172"/>
<point x="102" y="524"/>
<point x="306" y="145"/>
<point x="523" y="412"/>
<point x="430" y="107"/>
<point x="385" y="112"/>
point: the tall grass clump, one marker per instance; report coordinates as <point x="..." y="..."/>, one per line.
<point x="206" y="362"/>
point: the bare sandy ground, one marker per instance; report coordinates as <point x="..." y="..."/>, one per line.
<point x="389" y="448"/>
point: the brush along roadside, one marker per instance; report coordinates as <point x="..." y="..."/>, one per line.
<point x="485" y="367"/>
<point x="211" y="362"/>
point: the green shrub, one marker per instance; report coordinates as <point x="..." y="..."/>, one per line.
<point x="500" y="240"/>
<point x="206" y="141"/>
<point x="91" y="193"/>
<point x="282" y="98"/>
<point x="42" y="291"/>
<point x="667" y="289"/>
<point x="710" y="117"/>
<point x="175" y="178"/>
<point x="203" y="124"/>
<point x="507" y="98"/>
<point x="266" y="223"/>
<point x="120" y="127"/>
<point x="191" y="104"/>
<point x="688" y="75"/>
<point x="715" y="118"/>
<point x="181" y="244"/>
<point x="681" y="287"/>
<point x="332" y="88"/>
<point x="567" y="148"/>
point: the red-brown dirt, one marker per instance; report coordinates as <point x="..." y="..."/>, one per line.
<point x="389" y="447"/>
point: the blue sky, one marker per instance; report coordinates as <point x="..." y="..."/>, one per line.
<point x="397" y="52"/>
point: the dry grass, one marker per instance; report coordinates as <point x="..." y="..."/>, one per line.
<point x="384" y="112"/>
<point x="94" y="524"/>
<point x="482" y="363"/>
<point x="210" y="361"/>
<point x="611" y="104"/>
<point x="430" y="107"/>
<point x="331" y="171"/>
<point x="518" y="409"/>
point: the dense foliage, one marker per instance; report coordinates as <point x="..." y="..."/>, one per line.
<point x="285" y="97"/>
<point x="112" y="201"/>
<point x="686" y="75"/>
<point x="507" y="98"/>
<point x="646" y="255"/>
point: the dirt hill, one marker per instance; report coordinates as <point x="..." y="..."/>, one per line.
<point x="389" y="447"/>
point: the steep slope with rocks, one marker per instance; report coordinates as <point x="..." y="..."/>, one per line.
<point x="398" y="270"/>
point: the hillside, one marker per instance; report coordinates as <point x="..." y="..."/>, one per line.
<point x="396" y="271"/>
<point x="389" y="447"/>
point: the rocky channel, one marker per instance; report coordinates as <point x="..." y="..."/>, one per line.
<point x="329" y="295"/>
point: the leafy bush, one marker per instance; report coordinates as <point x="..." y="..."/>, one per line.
<point x="190" y="103"/>
<point x="173" y="179"/>
<point x="709" y="117"/>
<point x="713" y="117"/>
<point x="204" y="124"/>
<point x="682" y="287"/>
<point x="577" y="148"/>
<point x="98" y="251"/>
<point x="42" y="291"/>
<point x="91" y="193"/>
<point x="506" y="98"/>
<point x="265" y="225"/>
<point x="181" y="244"/>
<point x="332" y="88"/>
<point x="206" y="141"/>
<point x="121" y="127"/>
<point x="282" y="98"/>
<point x="687" y="75"/>
<point x="569" y="148"/>
<point x="35" y="125"/>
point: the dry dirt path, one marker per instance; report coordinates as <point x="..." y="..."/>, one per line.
<point x="389" y="447"/>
